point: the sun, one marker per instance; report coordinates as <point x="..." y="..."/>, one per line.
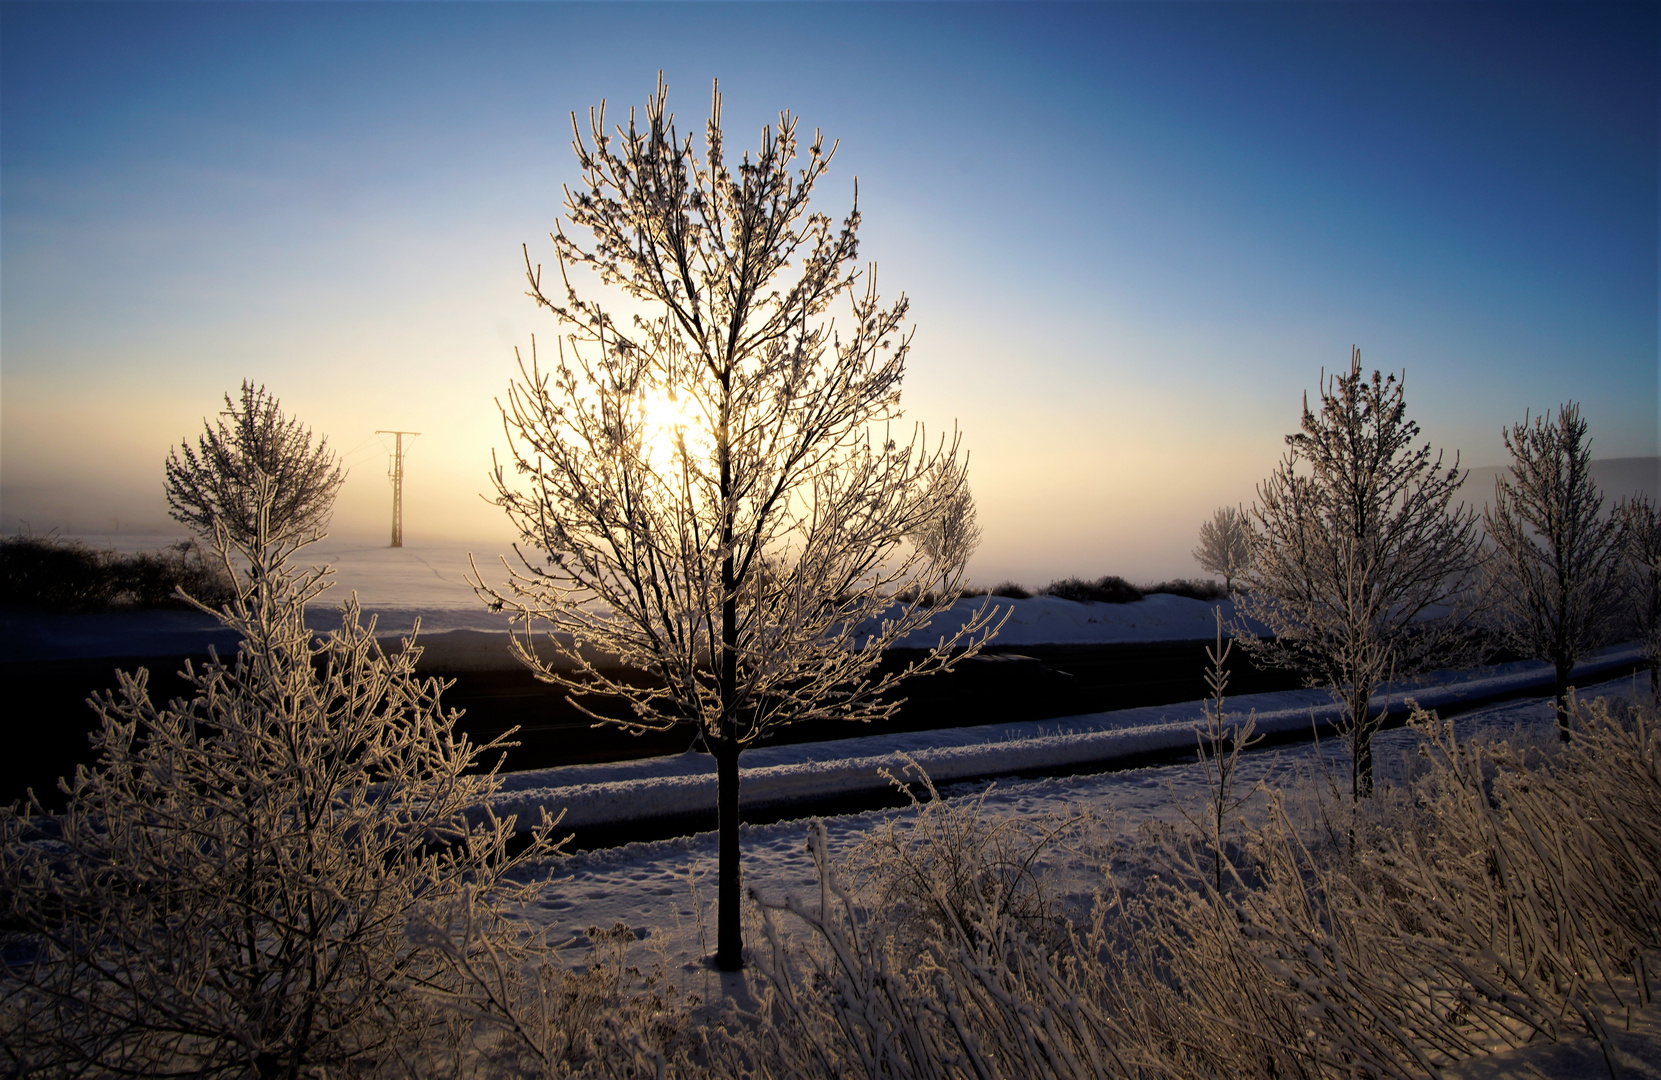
<point x="667" y="420"/>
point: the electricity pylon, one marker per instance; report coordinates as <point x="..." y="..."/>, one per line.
<point x="396" y="472"/>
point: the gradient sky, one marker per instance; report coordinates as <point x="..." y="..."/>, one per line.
<point x="1132" y="234"/>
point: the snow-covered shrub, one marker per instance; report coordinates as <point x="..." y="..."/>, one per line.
<point x="947" y="866"/>
<point x="1510" y="894"/>
<point x="277" y="876"/>
<point x="974" y="996"/>
<point x="1507" y="896"/>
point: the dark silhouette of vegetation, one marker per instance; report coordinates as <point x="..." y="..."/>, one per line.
<point x="54" y="574"/>
<point x="1104" y="590"/>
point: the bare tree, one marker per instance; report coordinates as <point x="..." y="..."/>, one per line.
<point x="1556" y="559"/>
<point x="718" y="498"/>
<point x="1355" y="546"/>
<point x="275" y="876"/>
<point x="1641" y="520"/>
<point x="1225" y="545"/>
<point x="216" y="482"/>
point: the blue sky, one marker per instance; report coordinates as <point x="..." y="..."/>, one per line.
<point x="1132" y="234"/>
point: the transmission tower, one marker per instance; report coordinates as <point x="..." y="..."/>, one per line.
<point x="396" y="472"/>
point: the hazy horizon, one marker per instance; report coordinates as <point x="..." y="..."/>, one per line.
<point x="1133" y="236"/>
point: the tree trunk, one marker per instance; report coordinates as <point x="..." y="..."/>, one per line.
<point x="1361" y="786"/>
<point x="1560" y="694"/>
<point x="729" y="950"/>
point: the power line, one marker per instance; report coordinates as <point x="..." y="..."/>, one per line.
<point x="396" y="472"/>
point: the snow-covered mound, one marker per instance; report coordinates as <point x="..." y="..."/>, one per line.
<point x="1049" y="620"/>
<point x="398" y="586"/>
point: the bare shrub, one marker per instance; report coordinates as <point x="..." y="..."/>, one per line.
<point x="1221" y="736"/>
<point x="1104" y="590"/>
<point x="954" y="987"/>
<point x="66" y="575"/>
<point x="1012" y="590"/>
<point x="946" y="867"/>
<point x="1192" y="588"/>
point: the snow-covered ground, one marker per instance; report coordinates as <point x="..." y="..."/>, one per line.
<point x="664" y="890"/>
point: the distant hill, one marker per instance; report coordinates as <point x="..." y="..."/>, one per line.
<point x="1618" y="477"/>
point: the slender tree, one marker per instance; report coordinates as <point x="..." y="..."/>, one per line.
<point x="1225" y="545"/>
<point x="712" y="481"/>
<point x="215" y="483"/>
<point x="1641" y="520"/>
<point x="1556" y="566"/>
<point x="1356" y="544"/>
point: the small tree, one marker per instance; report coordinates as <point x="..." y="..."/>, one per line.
<point x="1556" y="565"/>
<point x="273" y="877"/>
<point x="1220" y="737"/>
<point x="1225" y="545"/>
<point x="217" y="481"/>
<point x="718" y="500"/>
<point x="1641" y="520"/>
<point x="1355" y="544"/>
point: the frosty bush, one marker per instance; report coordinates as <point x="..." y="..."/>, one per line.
<point x="277" y="876"/>
<point x="215" y="485"/>
<point x="1509" y="896"/>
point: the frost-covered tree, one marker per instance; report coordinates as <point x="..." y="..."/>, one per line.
<point x="274" y="876"/>
<point x="216" y="482"/>
<point x="1555" y="569"/>
<point x="1356" y="545"/>
<point x="712" y="480"/>
<point x="1641" y="520"/>
<point x="949" y="531"/>
<point x="1225" y="545"/>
